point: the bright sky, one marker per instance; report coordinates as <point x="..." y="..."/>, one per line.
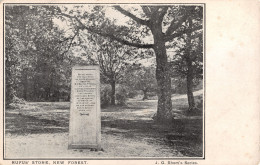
<point x="113" y="14"/>
<point x="120" y="18"/>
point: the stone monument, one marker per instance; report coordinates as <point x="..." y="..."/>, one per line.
<point x="85" y="119"/>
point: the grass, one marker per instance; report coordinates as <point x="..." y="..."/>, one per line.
<point x="126" y="130"/>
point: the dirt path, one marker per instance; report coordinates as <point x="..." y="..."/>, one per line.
<point x="41" y="130"/>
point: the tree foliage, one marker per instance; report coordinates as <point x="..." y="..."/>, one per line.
<point x="188" y="60"/>
<point x="161" y="23"/>
<point x="141" y="78"/>
<point x="36" y="65"/>
<point x="39" y="53"/>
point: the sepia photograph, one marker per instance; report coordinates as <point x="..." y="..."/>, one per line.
<point x="97" y="82"/>
<point x="103" y="81"/>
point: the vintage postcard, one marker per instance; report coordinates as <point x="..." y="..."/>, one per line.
<point x="133" y="82"/>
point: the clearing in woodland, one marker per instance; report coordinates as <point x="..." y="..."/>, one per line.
<point x="40" y="130"/>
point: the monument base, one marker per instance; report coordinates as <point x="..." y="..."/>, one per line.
<point x="80" y="146"/>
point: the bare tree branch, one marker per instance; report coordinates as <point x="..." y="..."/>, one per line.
<point x="199" y="35"/>
<point x="147" y="11"/>
<point x="162" y="12"/>
<point x="180" y="33"/>
<point x="71" y="42"/>
<point x="112" y="36"/>
<point x="128" y="14"/>
<point x="174" y="26"/>
<point x="125" y="42"/>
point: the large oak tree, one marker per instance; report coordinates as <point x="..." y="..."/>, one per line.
<point x="163" y="23"/>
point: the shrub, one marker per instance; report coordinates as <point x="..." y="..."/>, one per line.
<point x="132" y="93"/>
<point x="121" y="95"/>
<point x="105" y="93"/>
<point x="199" y="102"/>
<point x="16" y="103"/>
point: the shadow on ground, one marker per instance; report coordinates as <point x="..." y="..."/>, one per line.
<point x="25" y="124"/>
<point x="132" y="121"/>
<point x="183" y="135"/>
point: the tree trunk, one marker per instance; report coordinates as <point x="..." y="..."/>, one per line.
<point x="113" y="92"/>
<point x="164" y="108"/>
<point x="34" y="90"/>
<point x="25" y="84"/>
<point x="189" y="70"/>
<point x="145" y="94"/>
<point x="190" y="86"/>
<point x="47" y="93"/>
